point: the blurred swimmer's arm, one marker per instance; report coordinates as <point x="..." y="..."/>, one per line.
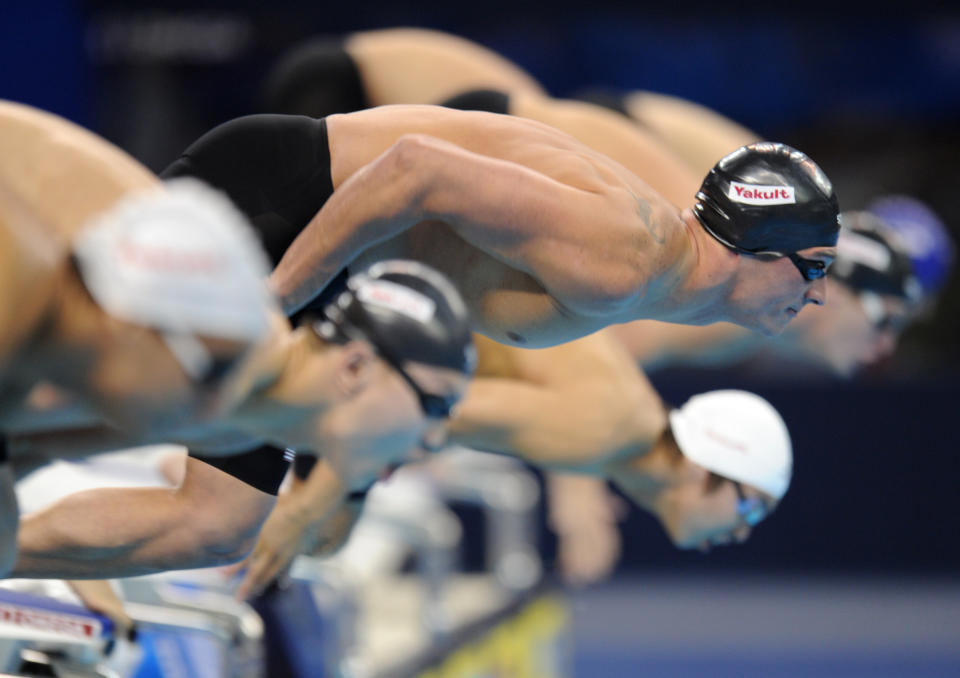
<point x="99" y="596"/>
<point x="583" y="513"/>
<point x="520" y="216"/>
<point x="656" y="344"/>
<point x="211" y="519"/>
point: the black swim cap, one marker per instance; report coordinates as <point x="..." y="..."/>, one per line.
<point x="871" y="258"/>
<point x="409" y="312"/>
<point x="768" y="197"/>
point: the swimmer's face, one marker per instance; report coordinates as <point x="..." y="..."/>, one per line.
<point x="385" y="423"/>
<point x="770" y="291"/>
<point x="854" y="330"/>
<point x="713" y="514"/>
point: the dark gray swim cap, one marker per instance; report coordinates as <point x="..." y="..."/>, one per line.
<point x="872" y="258"/>
<point x="409" y="312"/>
<point x="768" y="197"/>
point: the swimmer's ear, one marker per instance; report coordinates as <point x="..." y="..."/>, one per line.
<point x="355" y="368"/>
<point x="696" y="476"/>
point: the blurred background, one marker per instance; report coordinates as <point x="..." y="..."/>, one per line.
<point x="857" y="573"/>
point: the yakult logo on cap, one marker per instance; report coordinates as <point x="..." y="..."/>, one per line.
<point x="761" y="195"/>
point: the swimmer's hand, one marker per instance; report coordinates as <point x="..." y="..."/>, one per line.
<point x="584" y="515"/>
<point x="98" y="596"/>
<point x="284" y="535"/>
<point x="588" y="554"/>
<point x="281" y="540"/>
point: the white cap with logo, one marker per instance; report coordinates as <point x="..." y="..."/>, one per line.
<point x="182" y="260"/>
<point x="738" y="435"/>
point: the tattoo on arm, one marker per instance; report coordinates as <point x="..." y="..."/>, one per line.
<point x="654" y="227"/>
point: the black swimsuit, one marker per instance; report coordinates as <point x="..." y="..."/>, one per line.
<point x="276" y="169"/>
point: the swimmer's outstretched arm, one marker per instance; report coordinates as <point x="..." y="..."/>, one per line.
<point x="527" y="219"/>
<point x="657" y="344"/>
<point x="211" y="519"/>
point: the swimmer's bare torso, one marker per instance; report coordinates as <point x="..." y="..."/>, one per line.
<point x="546" y="239"/>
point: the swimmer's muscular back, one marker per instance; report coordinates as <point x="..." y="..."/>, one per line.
<point x="53" y="177"/>
<point x="62" y="172"/>
<point x="552" y="244"/>
<point x="393" y="63"/>
<point x="28" y="275"/>
<point x="581" y="406"/>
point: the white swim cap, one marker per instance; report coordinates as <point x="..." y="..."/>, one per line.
<point x="183" y="261"/>
<point x="737" y="435"/>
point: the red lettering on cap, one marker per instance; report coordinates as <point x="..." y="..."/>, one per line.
<point x="761" y="195"/>
<point x="726" y="442"/>
<point x="168" y="259"/>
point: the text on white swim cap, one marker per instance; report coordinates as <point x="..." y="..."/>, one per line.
<point x="761" y="195"/>
<point x="182" y="260"/>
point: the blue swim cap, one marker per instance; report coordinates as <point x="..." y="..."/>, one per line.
<point x="926" y="240"/>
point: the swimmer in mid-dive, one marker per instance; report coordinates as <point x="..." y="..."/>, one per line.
<point x="866" y="313"/>
<point x="374" y="68"/>
<point x="558" y="404"/>
<point x="546" y="239"/>
<point x="390" y="357"/>
<point x="708" y="471"/>
<point x="145" y="303"/>
<point x="581" y="407"/>
<point x="585" y="409"/>
<point x="82" y="234"/>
